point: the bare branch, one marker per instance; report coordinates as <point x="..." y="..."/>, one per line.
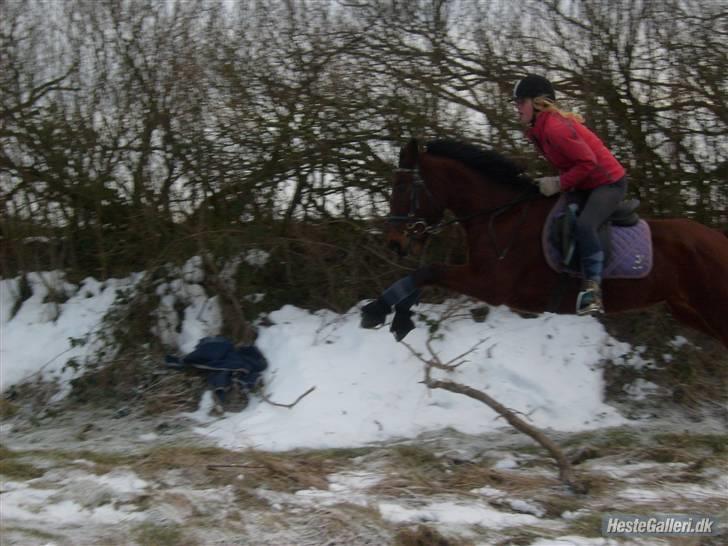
<point x="289" y="406"/>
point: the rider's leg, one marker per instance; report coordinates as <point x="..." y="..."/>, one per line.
<point x="599" y="205"/>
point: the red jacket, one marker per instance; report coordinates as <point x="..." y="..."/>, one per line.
<point x="583" y="161"/>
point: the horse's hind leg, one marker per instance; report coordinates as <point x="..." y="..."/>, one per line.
<point x="694" y="259"/>
<point x="703" y="303"/>
<point x="708" y="293"/>
<point x="690" y="317"/>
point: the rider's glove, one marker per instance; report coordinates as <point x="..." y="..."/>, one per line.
<point x="549" y="185"/>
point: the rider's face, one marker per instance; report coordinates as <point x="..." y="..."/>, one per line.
<point x="525" y="110"/>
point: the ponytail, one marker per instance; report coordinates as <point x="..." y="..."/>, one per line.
<point x="545" y="104"/>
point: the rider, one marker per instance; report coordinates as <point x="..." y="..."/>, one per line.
<point x="589" y="173"/>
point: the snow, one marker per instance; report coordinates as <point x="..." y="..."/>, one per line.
<point x="641" y="389"/>
<point x="73" y="506"/>
<point x="526" y="507"/>
<point x="367" y="389"/>
<point x="455" y="513"/>
<point x="359" y="376"/>
<point x="47" y="337"/>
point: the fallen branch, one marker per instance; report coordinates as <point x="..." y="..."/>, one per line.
<point x="289" y="406"/>
<point x="566" y="474"/>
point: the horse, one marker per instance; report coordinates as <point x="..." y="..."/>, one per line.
<point x="503" y="214"/>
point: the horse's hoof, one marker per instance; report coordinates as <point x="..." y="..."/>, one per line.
<point x="373" y="314"/>
<point x="402" y="324"/>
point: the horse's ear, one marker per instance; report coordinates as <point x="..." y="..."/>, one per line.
<point x="408" y="154"/>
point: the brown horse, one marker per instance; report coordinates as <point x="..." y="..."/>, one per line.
<point x="503" y="215"/>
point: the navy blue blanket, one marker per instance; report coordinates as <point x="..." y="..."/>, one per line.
<point x="224" y="364"/>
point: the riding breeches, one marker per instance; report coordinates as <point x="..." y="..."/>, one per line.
<point x="596" y="205"/>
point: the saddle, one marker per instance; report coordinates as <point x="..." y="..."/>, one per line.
<point x="625" y="238"/>
<point x="562" y="233"/>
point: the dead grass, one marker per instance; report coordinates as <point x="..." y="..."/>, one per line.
<point x="289" y="472"/>
<point x="13" y="468"/>
<point x="41" y="536"/>
<point x="466" y="477"/>
<point x="415" y="470"/>
<point x="139" y="378"/>
<point x="18" y="470"/>
<point x="608" y="441"/>
<point x="193" y="460"/>
<point x="149" y="534"/>
<point x="411" y="468"/>
<point x="589" y="525"/>
<point x="7" y="408"/>
<point x="423" y="535"/>
<point x="716" y="443"/>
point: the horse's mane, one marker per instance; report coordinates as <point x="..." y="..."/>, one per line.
<point x="487" y="162"/>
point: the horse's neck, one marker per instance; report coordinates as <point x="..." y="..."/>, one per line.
<point x="466" y="193"/>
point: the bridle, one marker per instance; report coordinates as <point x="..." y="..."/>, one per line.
<point x="416" y="227"/>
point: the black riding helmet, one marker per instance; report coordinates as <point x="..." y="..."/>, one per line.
<point x="533" y="86"/>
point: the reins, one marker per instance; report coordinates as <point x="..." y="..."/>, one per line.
<point x="418" y="226"/>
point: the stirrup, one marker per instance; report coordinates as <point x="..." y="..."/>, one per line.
<point x="589" y="300"/>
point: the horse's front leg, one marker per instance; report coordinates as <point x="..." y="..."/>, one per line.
<point x="401" y="296"/>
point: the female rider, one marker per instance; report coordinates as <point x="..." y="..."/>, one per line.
<point x="588" y="172"/>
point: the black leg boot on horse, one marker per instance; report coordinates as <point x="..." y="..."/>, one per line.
<point x="402" y="295"/>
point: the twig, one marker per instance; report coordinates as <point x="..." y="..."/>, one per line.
<point x="289" y="406"/>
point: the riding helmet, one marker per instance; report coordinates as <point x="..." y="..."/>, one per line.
<point x="533" y="86"/>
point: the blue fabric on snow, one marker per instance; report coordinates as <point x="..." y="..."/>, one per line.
<point x="224" y="363"/>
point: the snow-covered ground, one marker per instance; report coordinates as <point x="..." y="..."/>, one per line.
<point x="368" y="393"/>
<point x="367" y="386"/>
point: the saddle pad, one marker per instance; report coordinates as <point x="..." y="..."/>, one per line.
<point x="630" y="256"/>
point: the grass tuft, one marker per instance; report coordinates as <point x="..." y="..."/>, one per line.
<point x="149" y="534"/>
<point x="423" y="536"/>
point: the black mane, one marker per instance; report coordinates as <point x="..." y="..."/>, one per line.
<point x="487" y="162"/>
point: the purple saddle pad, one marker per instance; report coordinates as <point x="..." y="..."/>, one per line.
<point x="630" y="255"/>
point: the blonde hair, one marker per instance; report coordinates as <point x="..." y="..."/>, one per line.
<point x="545" y="104"/>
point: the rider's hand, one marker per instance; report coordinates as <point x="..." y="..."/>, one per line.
<point x="549" y="185"/>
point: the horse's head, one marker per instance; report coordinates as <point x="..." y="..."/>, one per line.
<point x="413" y="210"/>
